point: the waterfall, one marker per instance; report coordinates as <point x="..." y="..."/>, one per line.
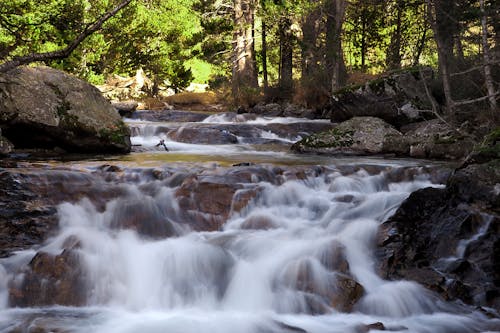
<point x="298" y="257"/>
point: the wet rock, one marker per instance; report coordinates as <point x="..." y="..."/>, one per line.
<point x="170" y="116"/>
<point x="45" y="108"/>
<point x="206" y="203"/>
<point x="243" y="197"/>
<point x="143" y="215"/>
<point x="378" y="326"/>
<point x="203" y="135"/>
<point x="397" y="99"/>
<point x="258" y="222"/>
<point x="334" y="290"/>
<point x="449" y="239"/>
<point x="357" y="136"/>
<point x="29" y="199"/>
<point x="50" y="280"/>
<point x="347" y="293"/>
<point x="25" y="220"/>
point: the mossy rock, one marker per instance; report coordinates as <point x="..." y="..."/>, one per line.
<point x="42" y="107"/>
<point x="357" y="136"/>
<point x="399" y="98"/>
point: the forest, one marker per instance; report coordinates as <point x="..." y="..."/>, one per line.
<point x="301" y="51"/>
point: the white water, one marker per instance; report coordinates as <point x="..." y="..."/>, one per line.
<point x="273" y="267"/>
<point x="240" y="279"/>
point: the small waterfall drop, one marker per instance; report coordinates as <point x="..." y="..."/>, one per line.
<point x="297" y="257"/>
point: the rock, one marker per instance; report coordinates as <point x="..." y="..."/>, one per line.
<point x="293" y="110"/>
<point x="169" y="116"/>
<point x="258" y="222"/>
<point x="270" y="110"/>
<point x="449" y="239"/>
<point x="45" y="108"/>
<point x="213" y="136"/>
<point x="29" y="199"/>
<point x="336" y="290"/>
<point x="435" y="139"/>
<point x="5" y="145"/>
<point x="357" y="136"/>
<point x="396" y="98"/>
<point x="206" y="203"/>
<point x="49" y="280"/>
<point x="126" y="108"/>
<point x="145" y="216"/>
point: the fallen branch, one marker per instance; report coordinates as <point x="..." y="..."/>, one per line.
<point x="64" y="53"/>
<point x="480" y="99"/>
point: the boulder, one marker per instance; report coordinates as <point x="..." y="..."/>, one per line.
<point x="397" y="99"/>
<point x="269" y="110"/>
<point x="356" y="136"/>
<point x="436" y="139"/>
<point x="49" y="280"/>
<point x="5" y="145"/>
<point x="45" y="108"/>
<point x="125" y="108"/>
<point x="448" y="239"/>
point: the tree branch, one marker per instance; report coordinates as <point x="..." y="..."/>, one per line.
<point x="64" y="53"/>
<point x="472" y="101"/>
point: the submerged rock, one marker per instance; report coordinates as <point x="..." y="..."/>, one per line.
<point x="357" y="136"/>
<point x="45" y="108"/>
<point x="203" y="135"/>
<point x="449" y="239"/>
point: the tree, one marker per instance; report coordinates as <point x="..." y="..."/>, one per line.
<point x="334" y="62"/>
<point x="14" y="29"/>
<point x="244" y="73"/>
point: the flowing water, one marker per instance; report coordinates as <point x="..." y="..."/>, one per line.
<point x="298" y="256"/>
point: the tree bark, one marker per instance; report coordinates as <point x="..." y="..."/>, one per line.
<point x="264" y="55"/>
<point x="335" y="67"/>
<point x="286" y="58"/>
<point x="309" y="49"/>
<point x="394" y="52"/>
<point x="439" y="13"/>
<point x="488" y="78"/>
<point x="244" y="78"/>
<point x="64" y="53"/>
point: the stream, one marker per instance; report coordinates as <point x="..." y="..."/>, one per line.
<point x="227" y="231"/>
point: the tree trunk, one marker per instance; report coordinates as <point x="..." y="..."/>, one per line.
<point x="363" y="39"/>
<point x="421" y="42"/>
<point x="264" y="55"/>
<point x="244" y="80"/>
<point x="488" y="79"/>
<point x="394" y="52"/>
<point x="335" y="67"/>
<point x="440" y="15"/>
<point x="286" y="58"/>
<point x="64" y="53"/>
<point x="308" y="47"/>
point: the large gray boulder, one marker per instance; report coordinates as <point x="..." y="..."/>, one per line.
<point x="399" y="99"/>
<point x="356" y="136"/>
<point x="43" y="107"/>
